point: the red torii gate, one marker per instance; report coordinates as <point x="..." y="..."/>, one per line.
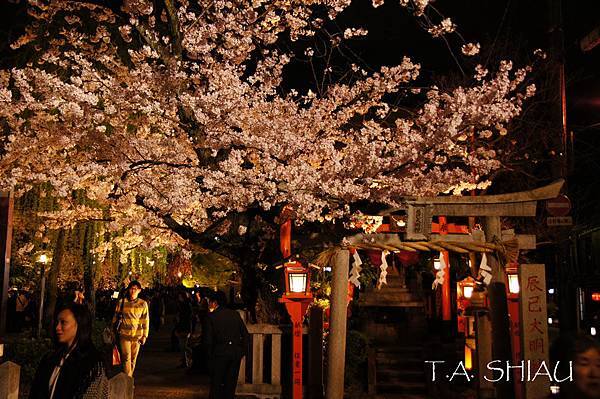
<point x="442" y="227"/>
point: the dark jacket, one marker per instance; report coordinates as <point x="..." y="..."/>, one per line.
<point x="82" y="376"/>
<point x="184" y="317"/>
<point x="224" y="332"/>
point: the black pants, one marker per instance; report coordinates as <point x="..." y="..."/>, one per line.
<point x="224" y="370"/>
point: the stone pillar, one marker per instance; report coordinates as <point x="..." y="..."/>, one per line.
<point x="483" y="328"/>
<point x="120" y="387"/>
<point x="501" y="345"/>
<point x="337" y="325"/>
<point x="9" y="380"/>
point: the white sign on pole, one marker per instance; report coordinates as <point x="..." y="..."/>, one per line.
<point x="534" y="330"/>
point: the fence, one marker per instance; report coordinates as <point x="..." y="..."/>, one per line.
<point x="254" y="381"/>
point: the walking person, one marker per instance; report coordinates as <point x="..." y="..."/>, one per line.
<point x="132" y="323"/>
<point x="226" y="339"/>
<point x="75" y="369"/>
<point x="183" y="327"/>
<point x="157" y="314"/>
<point x="21" y="308"/>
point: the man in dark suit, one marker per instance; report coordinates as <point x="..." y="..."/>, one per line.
<point x="226" y="339"/>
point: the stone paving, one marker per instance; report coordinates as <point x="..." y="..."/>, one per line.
<point x="158" y="375"/>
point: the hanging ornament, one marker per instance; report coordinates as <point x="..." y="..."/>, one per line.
<point x="355" y="273"/>
<point x="440" y="274"/>
<point x="439" y="279"/>
<point x="383" y="267"/>
<point x="485" y="271"/>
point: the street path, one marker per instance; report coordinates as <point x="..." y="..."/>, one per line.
<point x="157" y="375"/>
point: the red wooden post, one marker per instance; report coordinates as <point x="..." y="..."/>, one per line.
<point x="296" y="310"/>
<point x="446" y="287"/>
<point x="515" y="331"/>
<point x="285" y="238"/>
<point x="296" y="302"/>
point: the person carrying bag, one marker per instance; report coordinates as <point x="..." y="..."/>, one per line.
<point x="110" y="335"/>
<point x="132" y="322"/>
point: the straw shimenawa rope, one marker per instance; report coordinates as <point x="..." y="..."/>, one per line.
<point x="509" y="249"/>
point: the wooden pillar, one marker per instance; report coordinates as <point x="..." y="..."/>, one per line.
<point x="276" y="359"/>
<point x="483" y="336"/>
<point x="446" y="287"/>
<point x="337" y="327"/>
<point x="515" y="322"/>
<point x="315" y="356"/>
<point x="501" y="338"/>
<point x="257" y="358"/>
<point x="9" y="380"/>
<point x="6" y="224"/>
<point x="297" y="310"/>
<point x="483" y="343"/>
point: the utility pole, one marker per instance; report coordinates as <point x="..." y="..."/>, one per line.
<point x="562" y="248"/>
<point x="6" y="225"/>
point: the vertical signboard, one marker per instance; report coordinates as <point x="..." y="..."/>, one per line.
<point x="418" y="225"/>
<point x="534" y="331"/>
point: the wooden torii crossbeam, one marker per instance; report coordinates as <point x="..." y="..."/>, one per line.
<point x="522" y="203"/>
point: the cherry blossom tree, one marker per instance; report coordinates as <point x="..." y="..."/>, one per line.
<point x="173" y="118"/>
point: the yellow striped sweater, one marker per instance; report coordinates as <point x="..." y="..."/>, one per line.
<point x="135" y="321"/>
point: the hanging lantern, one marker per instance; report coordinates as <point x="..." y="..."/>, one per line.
<point x="408" y="258"/>
<point x="466" y="287"/>
<point x="374" y="256"/>
<point x="512" y="275"/>
<point x="437" y="263"/>
<point x="468" y="291"/>
<point x="513" y="283"/>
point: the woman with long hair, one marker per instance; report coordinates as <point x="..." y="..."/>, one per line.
<point x="74" y="369"/>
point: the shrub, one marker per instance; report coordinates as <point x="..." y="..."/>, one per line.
<point x="27" y="353"/>
<point x="356" y="358"/>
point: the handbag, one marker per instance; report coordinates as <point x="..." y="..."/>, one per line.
<point x="113" y="333"/>
<point x="116" y="356"/>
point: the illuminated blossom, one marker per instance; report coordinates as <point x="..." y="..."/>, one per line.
<point x="175" y="132"/>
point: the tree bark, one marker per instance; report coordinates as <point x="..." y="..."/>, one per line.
<point x="89" y="273"/>
<point x="55" y="267"/>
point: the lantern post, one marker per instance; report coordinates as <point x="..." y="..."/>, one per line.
<point x="512" y="275"/>
<point x="297" y="298"/>
<point x="43" y="261"/>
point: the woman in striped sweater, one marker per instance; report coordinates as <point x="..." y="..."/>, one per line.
<point x="132" y="323"/>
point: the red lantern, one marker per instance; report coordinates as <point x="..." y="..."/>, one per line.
<point x="408" y="258"/>
<point x="374" y="257"/>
